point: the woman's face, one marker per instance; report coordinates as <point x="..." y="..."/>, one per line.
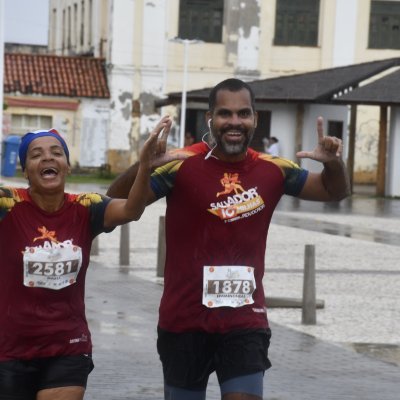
<point x="46" y="164"/>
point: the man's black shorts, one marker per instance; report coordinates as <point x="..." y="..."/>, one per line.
<point x="22" y="379"/>
<point x="189" y="358"/>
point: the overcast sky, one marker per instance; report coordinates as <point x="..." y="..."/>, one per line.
<point x="26" y="21"/>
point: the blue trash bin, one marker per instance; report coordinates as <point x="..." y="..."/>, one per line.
<point x="10" y="155"/>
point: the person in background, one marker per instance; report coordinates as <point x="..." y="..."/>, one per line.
<point x="189" y="139"/>
<point x="220" y="201"/>
<point x="45" y="241"/>
<point x="273" y="147"/>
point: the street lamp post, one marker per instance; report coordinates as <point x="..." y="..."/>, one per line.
<point x="186" y="43"/>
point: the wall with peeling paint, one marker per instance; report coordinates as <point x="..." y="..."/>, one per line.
<point x="94" y="126"/>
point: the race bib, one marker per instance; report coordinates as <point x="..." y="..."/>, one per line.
<point x="54" y="268"/>
<point x="228" y="286"/>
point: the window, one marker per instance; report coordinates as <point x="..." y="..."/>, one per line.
<point x="262" y="132"/>
<point x="335" y="128"/>
<point x="23" y="123"/>
<point x="384" y="25"/>
<point x="296" y="23"/>
<point x="201" y="19"/>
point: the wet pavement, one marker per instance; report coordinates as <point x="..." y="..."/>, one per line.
<point x="122" y="312"/>
<point x="361" y="204"/>
<point x="332" y="228"/>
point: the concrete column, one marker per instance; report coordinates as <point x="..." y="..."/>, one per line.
<point x="124" y="249"/>
<point x="309" y="314"/>
<point x="393" y="162"/>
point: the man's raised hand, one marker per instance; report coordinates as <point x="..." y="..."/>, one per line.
<point x="329" y="148"/>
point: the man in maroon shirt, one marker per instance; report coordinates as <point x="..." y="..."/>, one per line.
<point x="220" y="201"/>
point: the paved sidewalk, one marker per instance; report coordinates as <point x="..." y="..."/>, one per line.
<point x="122" y="311"/>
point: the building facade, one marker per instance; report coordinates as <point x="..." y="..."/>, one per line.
<point x="141" y="41"/>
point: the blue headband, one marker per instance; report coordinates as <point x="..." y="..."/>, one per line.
<point x="30" y="136"/>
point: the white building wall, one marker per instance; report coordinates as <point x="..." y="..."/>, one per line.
<point x="283" y="127"/>
<point x="121" y="74"/>
<point x="393" y="161"/>
<point x="344" y="41"/>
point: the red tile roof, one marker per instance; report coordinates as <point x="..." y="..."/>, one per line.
<point x="55" y="75"/>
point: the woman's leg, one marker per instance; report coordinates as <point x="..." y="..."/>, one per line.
<point x="62" y="393"/>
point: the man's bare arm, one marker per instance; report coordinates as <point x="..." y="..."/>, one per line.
<point x="332" y="184"/>
<point x="122" y="184"/>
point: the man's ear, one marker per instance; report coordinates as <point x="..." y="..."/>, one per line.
<point x="255" y="119"/>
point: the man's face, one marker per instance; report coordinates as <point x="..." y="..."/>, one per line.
<point x="233" y="122"/>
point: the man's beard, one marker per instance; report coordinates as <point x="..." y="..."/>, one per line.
<point x="234" y="149"/>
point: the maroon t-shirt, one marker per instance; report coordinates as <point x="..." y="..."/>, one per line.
<point x="218" y="214"/>
<point x="38" y="248"/>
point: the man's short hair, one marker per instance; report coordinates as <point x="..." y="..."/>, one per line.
<point x="233" y="85"/>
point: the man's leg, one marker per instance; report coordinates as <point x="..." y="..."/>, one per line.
<point x="187" y="363"/>
<point x="246" y="387"/>
<point x="241" y="359"/>
<point x="175" y="393"/>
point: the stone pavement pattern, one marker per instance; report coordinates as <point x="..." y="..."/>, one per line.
<point x="122" y="312"/>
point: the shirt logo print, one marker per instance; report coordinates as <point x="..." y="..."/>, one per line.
<point x="238" y="203"/>
<point x="46" y="235"/>
<point x="230" y="183"/>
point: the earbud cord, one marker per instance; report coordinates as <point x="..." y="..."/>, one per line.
<point x="209" y="154"/>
